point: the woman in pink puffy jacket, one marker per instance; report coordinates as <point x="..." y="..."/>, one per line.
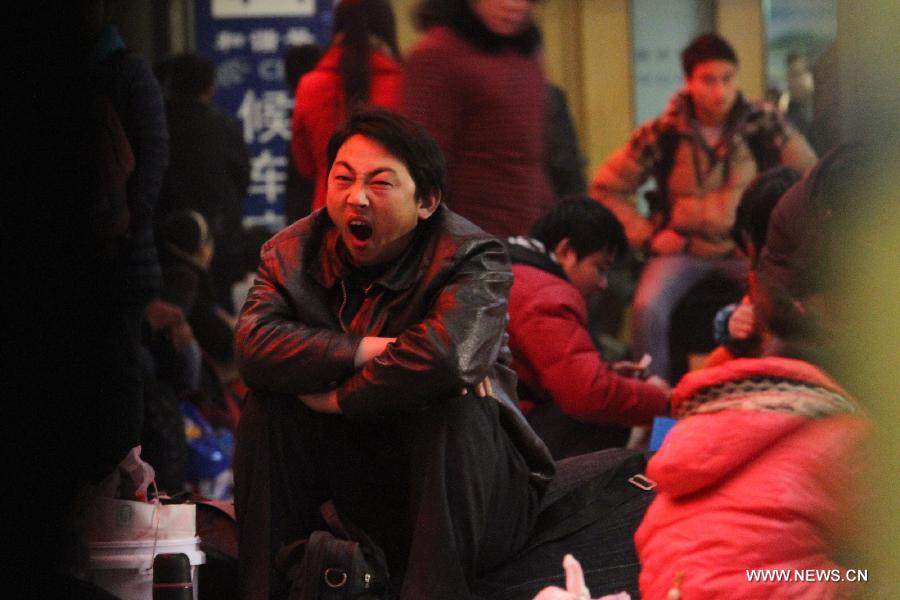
<point x="756" y="481"/>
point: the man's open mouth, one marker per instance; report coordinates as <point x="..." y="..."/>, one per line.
<point x="360" y="230"/>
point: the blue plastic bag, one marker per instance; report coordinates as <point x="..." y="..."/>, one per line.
<point x="209" y="450"/>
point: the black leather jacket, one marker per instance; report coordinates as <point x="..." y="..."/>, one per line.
<point x="444" y="299"/>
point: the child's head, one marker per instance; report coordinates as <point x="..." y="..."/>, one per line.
<point x="755" y="208"/>
<point x="586" y="239"/>
<point x="185" y="234"/>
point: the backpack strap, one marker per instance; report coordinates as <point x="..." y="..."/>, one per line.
<point x="590" y="501"/>
<point x="658" y="199"/>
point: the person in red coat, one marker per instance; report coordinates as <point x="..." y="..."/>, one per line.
<point x="761" y="472"/>
<point x="361" y="67"/>
<point x="475" y="82"/>
<point x="574" y="401"/>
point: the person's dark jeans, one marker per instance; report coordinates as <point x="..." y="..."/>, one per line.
<point x="442" y="491"/>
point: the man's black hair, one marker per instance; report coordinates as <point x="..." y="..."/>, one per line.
<point x="191" y="75"/>
<point x="403" y="138"/>
<point x="588" y="225"/>
<point x="752" y="219"/>
<point x="708" y="46"/>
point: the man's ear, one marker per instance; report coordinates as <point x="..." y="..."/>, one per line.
<point x="428" y="205"/>
<point x="564" y="252"/>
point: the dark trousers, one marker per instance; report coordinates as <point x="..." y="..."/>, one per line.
<point x="442" y="491"/>
<point x="565" y="437"/>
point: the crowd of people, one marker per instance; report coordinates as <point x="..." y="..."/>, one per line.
<point x="414" y="347"/>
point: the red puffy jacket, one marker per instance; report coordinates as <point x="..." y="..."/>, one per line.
<point x="554" y="356"/>
<point x="756" y="476"/>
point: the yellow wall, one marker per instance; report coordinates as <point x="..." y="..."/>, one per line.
<point x="607" y="78"/>
<point x="741" y="23"/>
<point x="406" y="33"/>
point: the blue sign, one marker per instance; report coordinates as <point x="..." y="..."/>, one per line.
<point x="246" y="39"/>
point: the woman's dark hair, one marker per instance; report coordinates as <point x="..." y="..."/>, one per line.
<point x="403" y="138"/>
<point x="588" y="225"/>
<point x="458" y="16"/>
<point x="757" y="202"/>
<point x="357" y="20"/>
<point x="805" y="236"/>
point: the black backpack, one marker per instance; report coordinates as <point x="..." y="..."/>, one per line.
<point x="341" y="564"/>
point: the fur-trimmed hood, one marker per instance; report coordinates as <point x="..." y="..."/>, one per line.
<point x="736" y="412"/>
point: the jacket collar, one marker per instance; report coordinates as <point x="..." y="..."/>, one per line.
<point x="529" y="251"/>
<point x="330" y="263"/>
<point x="679" y="116"/>
<point x="771" y="384"/>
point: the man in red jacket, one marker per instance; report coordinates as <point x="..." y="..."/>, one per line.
<point x="574" y="401"/>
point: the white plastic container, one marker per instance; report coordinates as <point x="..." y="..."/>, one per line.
<point x="125" y="568"/>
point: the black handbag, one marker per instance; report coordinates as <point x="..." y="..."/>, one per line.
<point x="340" y="564"/>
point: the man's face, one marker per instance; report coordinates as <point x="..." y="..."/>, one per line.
<point x="372" y="201"/>
<point x="503" y="17"/>
<point x="712" y="86"/>
<point x="587" y="274"/>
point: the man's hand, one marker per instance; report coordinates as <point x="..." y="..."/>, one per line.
<point x="659" y="382"/>
<point x="742" y="323"/>
<point x="325" y="402"/>
<point x="169" y="318"/>
<point x="637" y="370"/>
<point x="370" y="347"/>
<point x="667" y="242"/>
<point x="483" y="389"/>
<point x="163" y="315"/>
<point x="181" y="336"/>
<point x="639" y="232"/>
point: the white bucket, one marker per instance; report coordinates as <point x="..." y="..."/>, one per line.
<point x="125" y="568"/>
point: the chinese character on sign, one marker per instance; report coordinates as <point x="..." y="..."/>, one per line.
<point x="226" y="41"/>
<point x="271" y="69"/>
<point x="298" y="36"/>
<point x="264" y="40"/>
<point x="265" y="116"/>
<point x="267" y="175"/>
<point x="232" y="72"/>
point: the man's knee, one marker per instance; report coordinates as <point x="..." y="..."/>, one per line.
<point x="652" y="314"/>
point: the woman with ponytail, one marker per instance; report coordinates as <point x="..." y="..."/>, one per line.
<point x="361" y="67"/>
